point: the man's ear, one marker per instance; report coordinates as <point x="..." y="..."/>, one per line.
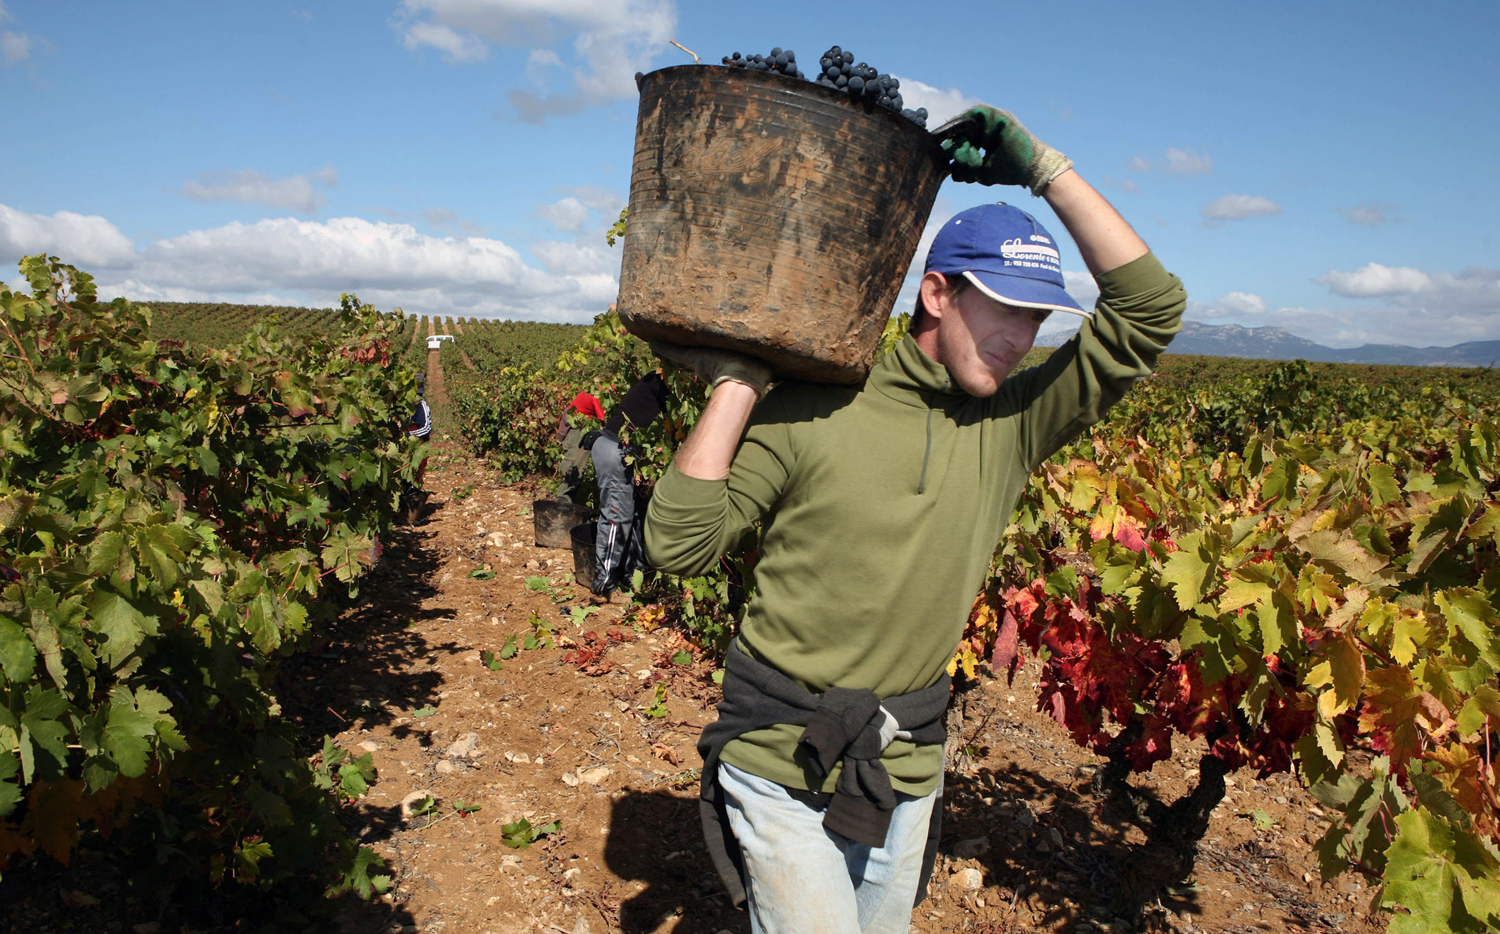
<point x="935" y="293"/>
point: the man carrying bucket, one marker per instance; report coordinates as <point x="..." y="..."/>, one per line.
<point x="882" y="506"/>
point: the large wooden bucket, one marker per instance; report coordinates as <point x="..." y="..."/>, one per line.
<point x="771" y="216"/>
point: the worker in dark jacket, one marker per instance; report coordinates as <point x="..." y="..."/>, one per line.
<point x="570" y="436"/>
<point x="420" y="425"/>
<point x="618" y="543"/>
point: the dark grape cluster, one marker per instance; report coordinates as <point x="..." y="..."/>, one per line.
<point x="836" y="69"/>
<point x="782" y="61"/>
<point x="862" y="81"/>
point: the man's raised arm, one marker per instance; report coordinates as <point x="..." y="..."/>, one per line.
<point x="738" y="383"/>
<point x="1104" y="238"/>
<point x="991" y="147"/>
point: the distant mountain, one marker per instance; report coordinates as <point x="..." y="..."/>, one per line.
<point x="1232" y="340"/>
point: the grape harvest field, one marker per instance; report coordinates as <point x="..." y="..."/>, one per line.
<point x="1235" y="671"/>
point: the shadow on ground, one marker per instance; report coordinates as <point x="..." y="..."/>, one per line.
<point x="1070" y="851"/>
<point x="374" y="666"/>
<point x="655" y="838"/>
<point x="1058" y="846"/>
<point x="1054" y="843"/>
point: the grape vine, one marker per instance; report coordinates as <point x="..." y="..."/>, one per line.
<point x="174" y="520"/>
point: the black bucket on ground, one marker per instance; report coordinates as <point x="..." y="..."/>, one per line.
<point x="552" y="518"/>
<point x="583" y="537"/>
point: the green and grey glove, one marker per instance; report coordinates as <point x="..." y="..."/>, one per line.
<point x="994" y="148"/>
<point x="715" y="366"/>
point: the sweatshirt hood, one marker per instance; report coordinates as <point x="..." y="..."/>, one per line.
<point x="910" y="377"/>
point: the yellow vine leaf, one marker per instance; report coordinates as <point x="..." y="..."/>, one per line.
<point x="1342" y="668"/>
<point x="1325" y="521"/>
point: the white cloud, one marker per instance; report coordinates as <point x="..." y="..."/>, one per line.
<point x="1241" y="303"/>
<point x="1371" y="213"/>
<point x="606" y="202"/>
<point x="1472" y="290"/>
<point x="941" y="105"/>
<point x="1082" y="287"/>
<point x="454" y="46"/>
<point x="587" y="256"/>
<point x="537" y="64"/>
<point x="567" y="214"/>
<point x="1230" y="305"/>
<point x="1336" y="327"/>
<point x="1374" y="280"/>
<point x="381" y="259"/>
<point x="15" y="47"/>
<point x="586" y="211"/>
<point x="291" y="261"/>
<point x="86" y="241"/>
<point x="1419" y="309"/>
<point x="1239" y="207"/>
<point x="1177" y="161"/>
<point x="1187" y="162"/>
<point x="611" y="40"/>
<point x="297" y="193"/>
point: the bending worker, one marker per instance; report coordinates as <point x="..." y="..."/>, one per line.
<point x="574" y="455"/>
<point x="882" y="507"/>
<point x="617" y="546"/>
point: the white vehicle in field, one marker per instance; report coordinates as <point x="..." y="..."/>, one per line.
<point x="435" y="341"/>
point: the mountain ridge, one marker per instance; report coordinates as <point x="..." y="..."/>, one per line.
<point x="1272" y="343"/>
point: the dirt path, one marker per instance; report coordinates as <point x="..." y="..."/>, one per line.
<point x="416" y="336"/>
<point x="458" y="329"/>
<point x="437" y="392"/>
<point x="1026" y="845"/>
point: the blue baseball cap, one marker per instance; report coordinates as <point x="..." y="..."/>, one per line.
<point x="1006" y="254"/>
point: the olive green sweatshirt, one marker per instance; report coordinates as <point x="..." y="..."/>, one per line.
<point x="883" y="505"/>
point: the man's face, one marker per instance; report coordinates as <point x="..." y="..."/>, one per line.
<point x="982" y="340"/>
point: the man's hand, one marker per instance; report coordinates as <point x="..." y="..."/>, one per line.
<point x="716" y="366"/>
<point x="995" y="149"/>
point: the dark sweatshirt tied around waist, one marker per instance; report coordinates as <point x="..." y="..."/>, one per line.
<point x="840" y="725"/>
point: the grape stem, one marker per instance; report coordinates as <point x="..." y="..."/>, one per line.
<point x="687" y="50"/>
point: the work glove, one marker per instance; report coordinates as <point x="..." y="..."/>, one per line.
<point x="715" y="366"/>
<point x="991" y="147"/>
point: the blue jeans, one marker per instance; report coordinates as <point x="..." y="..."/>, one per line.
<point x="804" y="878"/>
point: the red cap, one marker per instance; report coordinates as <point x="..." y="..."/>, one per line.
<point x="588" y="405"/>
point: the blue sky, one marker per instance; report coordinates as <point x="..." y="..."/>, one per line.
<point x="1320" y="167"/>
